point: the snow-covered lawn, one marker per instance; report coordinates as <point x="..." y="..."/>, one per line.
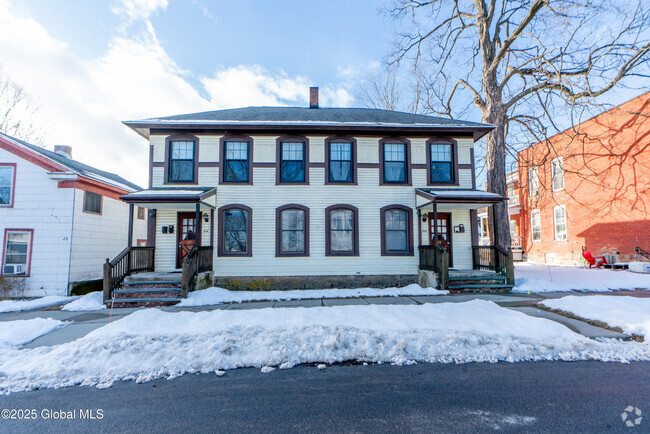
<point x="216" y="295"/>
<point x="90" y="301"/>
<point x="14" y="333"/>
<point x="151" y="343"/>
<point x="631" y="314"/>
<point x="549" y="278"/>
<point x="36" y="303"/>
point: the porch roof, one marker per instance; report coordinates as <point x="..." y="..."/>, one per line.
<point x="462" y="196"/>
<point x="176" y="198"/>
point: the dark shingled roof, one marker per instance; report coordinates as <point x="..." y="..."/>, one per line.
<point x="74" y="166"/>
<point x="324" y="115"/>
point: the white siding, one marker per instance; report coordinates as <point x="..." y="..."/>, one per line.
<point x="461" y="242"/>
<point x="40" y="205"/>
<point x="264" y="197"/>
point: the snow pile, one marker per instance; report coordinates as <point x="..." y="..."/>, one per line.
<point x="90" y="301"/>
<point x="151" y="343"/>
<point x="549" y="278"/>
<point x="14" y="333"/>
<point x="36" y="303"/>
<point x="217" y="295"/>
<point x="631" y="314"/>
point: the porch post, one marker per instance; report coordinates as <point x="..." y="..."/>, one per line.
<point x="212" y="227"/>
<point x="130" y="236"/>
<point x="198" y="234"/>
<point x="495" y="232"/>
<point x="435" y="224"/>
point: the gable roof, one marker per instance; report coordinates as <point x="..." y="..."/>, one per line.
<point x="277" y="118"/>
<point x="59" y="161"/>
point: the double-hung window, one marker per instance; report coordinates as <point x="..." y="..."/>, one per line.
<point x="236" y="161"/>
<point x="559" y="219"/>
<point x="442" y="164"/>
<point x="533" y="181"/>
<point x="92" y="202"/>
<point x="235" y="230"/>
<point x="7" y="174"/>
<point x="342" y="228"/>
<point x="181" y="161"/>
<point x="292" y="231"/>
<point x="395" y="164"/>
<point x="341" y="162"/>
<point x="536" y="225"/>
<point x="557" y="172"/>
<point x="292" y="162"/>
<point x="396" y="231"/>
<point x="17" y="252"/>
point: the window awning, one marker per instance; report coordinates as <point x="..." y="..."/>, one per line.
<point x="173" y="198"/>
<point x="469" y="198"/>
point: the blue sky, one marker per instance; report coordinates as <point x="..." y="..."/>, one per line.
<point x="92" y="64"/>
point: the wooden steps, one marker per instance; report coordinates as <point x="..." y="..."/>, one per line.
<point x="146" y="293"/>
<point x="462" y="282"/>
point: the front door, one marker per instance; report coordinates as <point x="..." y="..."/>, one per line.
<point x="186" y="235"/>
<point x="444" y="231"/>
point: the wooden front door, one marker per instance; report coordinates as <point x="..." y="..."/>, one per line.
<point x="444" y="231"/>
<point x="186" y="235"/>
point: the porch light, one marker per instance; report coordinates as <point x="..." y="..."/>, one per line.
<point x="206" y="218"/>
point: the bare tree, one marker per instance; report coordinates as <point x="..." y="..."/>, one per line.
<point x="520" y="63"/>
<point x="17" y="108"/>
<point x="379" y="89"/>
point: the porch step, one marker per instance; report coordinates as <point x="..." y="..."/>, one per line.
<point x="475" y="277"/>
<point x="145" y="283"/>
<point x="143" y="302"/>
<point x="497" y="287"/>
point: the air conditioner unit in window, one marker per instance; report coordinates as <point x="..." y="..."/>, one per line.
<point x="14" y="269"/>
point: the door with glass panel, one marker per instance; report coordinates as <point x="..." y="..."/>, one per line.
<point x="443" y="226"/>
<point x="187" y="235"/>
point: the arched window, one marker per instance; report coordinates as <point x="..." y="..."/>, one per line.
<point x="235" y="230"/>
<point x="396" y="230"/>
<point x="341" y="230"/>
<point x="292" y="230"/>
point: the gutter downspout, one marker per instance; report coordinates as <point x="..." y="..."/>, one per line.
<point x="74" y="198"/>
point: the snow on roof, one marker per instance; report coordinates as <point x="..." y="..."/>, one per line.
<point x="460" y="193"/>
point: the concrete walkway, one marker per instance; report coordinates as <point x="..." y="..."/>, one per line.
<point x="82" y="323"/>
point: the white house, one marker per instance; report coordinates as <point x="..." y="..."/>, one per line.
<point x="289" y="197"/>
<point x="59" y="219"/>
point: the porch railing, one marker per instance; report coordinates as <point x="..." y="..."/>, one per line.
<point x="131" y="260"/>
<point x="198" y="260"/>
<point x="435" y="258"/>
<point x="494" y="258"/>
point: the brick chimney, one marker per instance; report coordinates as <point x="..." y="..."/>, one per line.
<point x="64" y="151"/>
<point x="313" y="97"/>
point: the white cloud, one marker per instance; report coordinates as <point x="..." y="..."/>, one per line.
<point x="83" y="101"/>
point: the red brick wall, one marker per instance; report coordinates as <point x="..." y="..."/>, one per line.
<point x="606" y="186"/>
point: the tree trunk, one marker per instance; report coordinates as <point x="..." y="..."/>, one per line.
<point x="495" y="163"/>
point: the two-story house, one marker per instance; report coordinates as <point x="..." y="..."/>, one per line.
<point x="291" y="197"/>
<point x="59" y="218"/>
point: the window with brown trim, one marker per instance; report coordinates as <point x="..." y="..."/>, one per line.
<point x="181" y="163"/>
<point x="341" y="164"/>
<point x="17" y="252"/>
<point x="292" y="230"/>
<point x="7" y="184"/>
<point x="394" y="161"/>
<point x="92" y="202"/>
<point x="396" y="223"/>
<point x="292" y="160"/>
<point x="236" y="157"/>
<point x="341" y="230"/>
<point x="442" y="162"/>
<point x="140" y="213"/>
<point x="235" y="230"/>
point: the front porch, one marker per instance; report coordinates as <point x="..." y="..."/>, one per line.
<point x="135" y="277"/>
<point x="453" y="254"/>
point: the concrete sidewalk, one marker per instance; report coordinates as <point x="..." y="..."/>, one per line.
<point x="82" y="323"/>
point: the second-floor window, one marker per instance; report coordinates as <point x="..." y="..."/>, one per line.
<point x="236" y="165"/>
<point x="394" y="163"/>
<point x="7" y="174"/>
<point x="442" y="165"/>
<point x="341" y="162"/>
<point x="181" y="161"/>
<point x="292" y="162"/>
<point x="533" y="181"/>
<point x="536" y="225"/>
<point x="557" y="172"/>
<point x="92" y="202"/>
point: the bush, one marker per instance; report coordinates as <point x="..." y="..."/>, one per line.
<point x="11" y="287"/>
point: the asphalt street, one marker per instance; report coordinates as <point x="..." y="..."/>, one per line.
<point x="531" y="397"/>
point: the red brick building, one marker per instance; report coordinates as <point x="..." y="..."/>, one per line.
<point x="588" y="187"/>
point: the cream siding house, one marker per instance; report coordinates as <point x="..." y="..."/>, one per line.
<point x="59" y="219"/>
<point x="311" y="197"/>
